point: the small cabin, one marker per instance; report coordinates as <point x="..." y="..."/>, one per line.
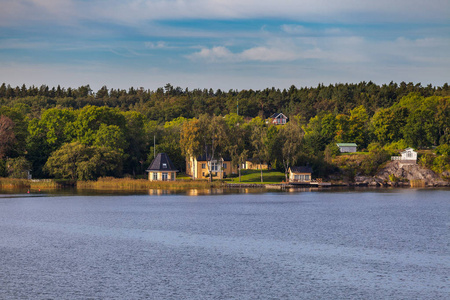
<point x="407" y="156"/>
<point x="278" y="119"/>
<point x="253" y="165"/>
<point x="347" y="147"/>
<point x="162" y="169"/>
<point x="300" y="174"/>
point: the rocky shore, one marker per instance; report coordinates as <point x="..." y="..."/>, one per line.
<point x="397" y="174"/>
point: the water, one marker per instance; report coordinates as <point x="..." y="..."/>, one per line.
<point x="385" y="244"/>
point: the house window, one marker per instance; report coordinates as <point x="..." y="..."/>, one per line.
<point x="224" y="166"/>
<point x="408" y="154"/>
<point x="164" y="166"/>
<point x="203" y="174"/>
<point x="301" y="177"/>
<point x="214" y="166"/>
<point x="203" y="166"/>
<point x="155" y="176"/>
<point x="164" y="176"/>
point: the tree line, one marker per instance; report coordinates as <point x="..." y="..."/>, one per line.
<point x="80" y="135"/>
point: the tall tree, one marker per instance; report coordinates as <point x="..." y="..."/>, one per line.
<point x="291" y="136"/>
<point x="213" y="137"/>
<point x="236" y="140"/>
<point x="7" y="136"/>
<point x="259" y="142"/>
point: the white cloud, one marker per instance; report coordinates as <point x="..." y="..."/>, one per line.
<point x="157" y="45"/>
<point x="214" y="54"/>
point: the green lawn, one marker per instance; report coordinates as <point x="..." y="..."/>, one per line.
<point x="254" y="176"/>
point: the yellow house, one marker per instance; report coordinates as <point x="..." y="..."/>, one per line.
<point x="162" y="169"/>
<point x="250" y="165"/>
<point x="300" y="174"/>
<point x="198" y="167"/>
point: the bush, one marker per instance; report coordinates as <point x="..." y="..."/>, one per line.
<point x="395" y="147"/>
<point x="18" y="167"/>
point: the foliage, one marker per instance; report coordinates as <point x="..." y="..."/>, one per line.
<point x="331" y="151"/>
<point x="196" y="121"/>
<point x="291" y="138"/>
<point x="7" y="136"/>
<point x="18" y="167"/>
<point x="76" y="161"/>
<point x="395" y="147"/>
<point x="377" y="156"/>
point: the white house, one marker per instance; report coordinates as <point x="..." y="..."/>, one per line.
<point x="408" y="157"/>
<point x="347" y="147"/>
<point x="278" y="119"/>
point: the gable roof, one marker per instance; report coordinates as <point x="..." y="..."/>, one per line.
<point x="276" y="115"/>
<point x="161" y="162"/>
<point x="346" y="145"/>
<point x="408" y="149"/>
<point x="301" y="169"/>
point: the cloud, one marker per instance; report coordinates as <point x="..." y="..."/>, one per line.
<point x="141" y="11"/>
<point x="214" y="54"/>
<point x="295" y="29"/>
<point x="157" y="45"/>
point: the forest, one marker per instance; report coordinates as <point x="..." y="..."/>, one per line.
<point x="81" y="134"/>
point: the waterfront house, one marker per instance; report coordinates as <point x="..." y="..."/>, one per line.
<point x="407" y="157"/>
<point x="300" y="174"/>
<point x="198" y="167"/>
<point x="253" y="165"/>
<point x="347" y="147"/>
<point x="162" y="169"/>
<point x="278" y="119"/>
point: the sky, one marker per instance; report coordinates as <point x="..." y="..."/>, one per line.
<point x="223" y="44"/>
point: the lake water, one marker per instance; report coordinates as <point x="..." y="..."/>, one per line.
<point x="370" y="244"/>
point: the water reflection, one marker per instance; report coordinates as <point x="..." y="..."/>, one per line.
<point x="203" y="192"/>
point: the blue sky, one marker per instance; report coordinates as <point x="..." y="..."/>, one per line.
<point x="226" y="44"/>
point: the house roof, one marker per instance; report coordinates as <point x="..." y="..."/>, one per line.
<point x="162" y="162"/>
<point x="301" y="169"/>
<point x="346" y="145"/>
<point x="205" y="157"/>
<point x="408" y="149"/>
<point x="275" y="115"/>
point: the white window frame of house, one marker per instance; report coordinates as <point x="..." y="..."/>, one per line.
<point x="203" y="166"/>
<point x="155" y="176"/>
<point x="215" y="166"/>
<point x="224" y="165"/>
<point x="164" y="165"/>
<point x="164" y="176"/>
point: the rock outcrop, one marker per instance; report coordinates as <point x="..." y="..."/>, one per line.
<point x="396" y="173"/>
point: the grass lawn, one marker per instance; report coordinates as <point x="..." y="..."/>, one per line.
<point x="254" y="177"/>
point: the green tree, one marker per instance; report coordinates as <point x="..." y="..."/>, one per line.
<point x="359" y="126"/>
<point x="7" y="136"/>
<point x="291" y="136"/>
<point x="18" y="167"/>
<point x="90" y="118"/>
<point x="76" y="161"/>
<point x="110" y="136"/>
<point x="260" y="153"/>
<point x="213" y="136"/>
<point x="236" y="140"/>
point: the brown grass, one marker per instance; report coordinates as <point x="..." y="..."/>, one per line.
<point x="110" y="183"/>
<point x="14" y="183"/>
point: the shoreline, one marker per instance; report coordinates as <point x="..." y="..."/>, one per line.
<point x="123" y="184"/>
